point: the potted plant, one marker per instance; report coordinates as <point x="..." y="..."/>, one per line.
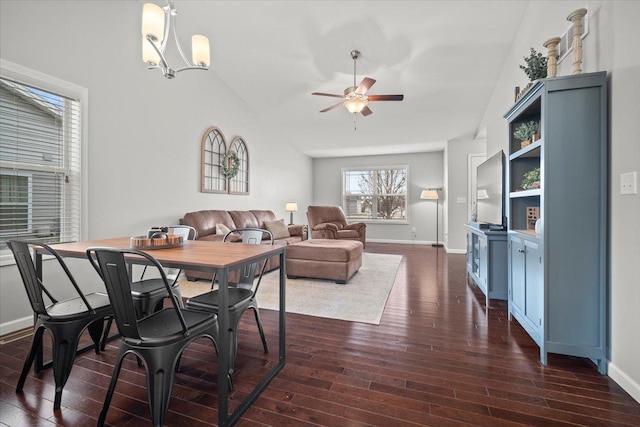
<point x="536" y="67"/>
<point x="531" y="179"/>
<point x="526" y="132"/>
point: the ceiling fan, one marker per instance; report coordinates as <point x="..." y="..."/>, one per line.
<point x="355" y="98"/>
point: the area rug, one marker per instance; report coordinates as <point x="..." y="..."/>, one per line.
<point x="362" y="299"/>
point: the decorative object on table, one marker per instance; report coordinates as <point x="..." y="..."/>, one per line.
<point x="533" y="213"/>
<point x="575" y="18"/>
<point x="526" y="132"/>
<point x="156" y="25"/>
<point x="539" y="227"/>
<point x="552" y="55"/>
<point x="531" y="179"/>
<point x="223" y="169"/>
<point x="291" y="208"/>
<point x="157" y="240"/>
<point x="432" y="194"/>
<point x="536" y="67"/>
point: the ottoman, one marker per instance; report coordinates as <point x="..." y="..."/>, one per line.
<point x="324" y="259"/>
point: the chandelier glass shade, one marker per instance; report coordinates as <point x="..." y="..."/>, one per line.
<point x="157" y="23"/>
<point x="355" y="104"/>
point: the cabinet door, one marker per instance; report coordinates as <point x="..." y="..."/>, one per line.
<point x="533" y="282"/>
<point x="517" y="283"/>
<point x="469" y="251"/>
<point x="483" y="263"/>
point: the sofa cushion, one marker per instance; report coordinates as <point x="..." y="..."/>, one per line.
<point x="244" y="219"/>
<point x="277" y="228"/>
<point x="205" y="221"/>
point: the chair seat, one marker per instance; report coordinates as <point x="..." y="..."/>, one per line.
<point x="65" y="310"/>
<point x="163" y="327"/>
<point x="210" y="300"/>
<point x="148" y="288"/>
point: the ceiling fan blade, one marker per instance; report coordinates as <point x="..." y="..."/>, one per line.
<point x="365" y="85"/>
<point x="366" y="111"/>
<point x="332" y="107"/>
<point x="327" y="94"/>
<point x="385" y="97"/>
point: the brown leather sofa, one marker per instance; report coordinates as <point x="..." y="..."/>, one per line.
<point x="205" y="222"/>
<point x="330" y="222"/>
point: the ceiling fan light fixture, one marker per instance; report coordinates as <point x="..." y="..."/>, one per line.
<point x="355" y="105"/>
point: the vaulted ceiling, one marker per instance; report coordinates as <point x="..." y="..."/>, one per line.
<point x="444" y="56"/>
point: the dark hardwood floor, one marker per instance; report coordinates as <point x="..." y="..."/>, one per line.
<point x="439" y="358"/>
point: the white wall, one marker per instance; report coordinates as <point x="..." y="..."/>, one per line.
<point x="143" y="163"/>
<point x="457" y="177"/>
<point x="612" y="46"/>
<point x="425" y="171"/>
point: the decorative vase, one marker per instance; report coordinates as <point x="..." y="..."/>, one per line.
<point x="525" y="143"/>
<point x="575" y="18"/>
<point x="552" y="56"/>
<point x="539" y="226"/>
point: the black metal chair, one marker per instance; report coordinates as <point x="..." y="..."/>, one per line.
<point x="158" y="339"/>
<point x="65" y="320"/>
<point x="149" y="294"/>
<point x="241" y="296"/>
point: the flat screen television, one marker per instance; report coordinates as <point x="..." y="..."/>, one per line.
<point x="490" y="192"/>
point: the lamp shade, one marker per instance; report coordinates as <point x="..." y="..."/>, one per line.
<point x="291" y="207"/>
<point x="200" y="50"/>
<point x="153" y="21"/>
<point x="430" y="194"/>
<point x="149" y="54"/>
<point x="355" y="105"/>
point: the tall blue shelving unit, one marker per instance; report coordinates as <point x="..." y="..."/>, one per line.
<point x="557" y="280"/>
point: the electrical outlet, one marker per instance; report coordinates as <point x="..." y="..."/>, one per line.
<point x="629" y="183"/>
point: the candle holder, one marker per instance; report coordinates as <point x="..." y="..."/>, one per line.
<point x="575" y="18"/>
<point x="552" y="56"/>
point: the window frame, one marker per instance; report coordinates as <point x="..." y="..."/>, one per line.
<point x="39" y="80"/>
<point x="28" y="203"/>
<point x="375" y="220"/>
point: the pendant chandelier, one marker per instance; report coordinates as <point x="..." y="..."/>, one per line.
<point x="157" y="23"/>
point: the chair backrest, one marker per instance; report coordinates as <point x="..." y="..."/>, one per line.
<point x="322" y="214"/>
<point x="186" y="231"/>
<point x="250" y="236"/>
<point x="111" y="265"/>
<point x="33" y="285"/>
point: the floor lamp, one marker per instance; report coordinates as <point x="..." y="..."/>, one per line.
<point x="432" y="194"/>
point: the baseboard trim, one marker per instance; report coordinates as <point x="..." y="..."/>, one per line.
<point x="16" y="325"/>
<point x="624" y="381"/>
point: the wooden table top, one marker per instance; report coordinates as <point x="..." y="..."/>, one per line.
<point x="193" y="254"/>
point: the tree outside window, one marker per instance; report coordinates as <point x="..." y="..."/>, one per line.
<point x="375" y="194"/>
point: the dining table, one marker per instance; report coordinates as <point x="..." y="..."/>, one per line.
<point x="207" y="256"/>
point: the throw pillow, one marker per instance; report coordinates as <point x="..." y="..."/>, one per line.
<point x="222" y="229"/>
<point x="278" y="229"/>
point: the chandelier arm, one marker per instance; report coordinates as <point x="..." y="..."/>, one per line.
<point x="163" y="61"/>
<point x="175" y="37"/>
<point x="191" y="67"/>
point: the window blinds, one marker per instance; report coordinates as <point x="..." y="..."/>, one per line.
<point x="40" y="177"/>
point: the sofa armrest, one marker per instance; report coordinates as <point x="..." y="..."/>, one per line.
<point x="326" y="226"/>
<point x="300" y="230"/>
<point x="358" y="226"/>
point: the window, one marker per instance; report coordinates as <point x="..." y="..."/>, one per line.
<point x="378" y="194"/>
<point x="40" y="140"/>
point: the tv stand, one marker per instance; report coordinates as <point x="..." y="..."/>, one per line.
<point x="487" y="260"/>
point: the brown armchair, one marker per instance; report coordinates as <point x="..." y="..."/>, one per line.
<point x="329" y="222"/>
